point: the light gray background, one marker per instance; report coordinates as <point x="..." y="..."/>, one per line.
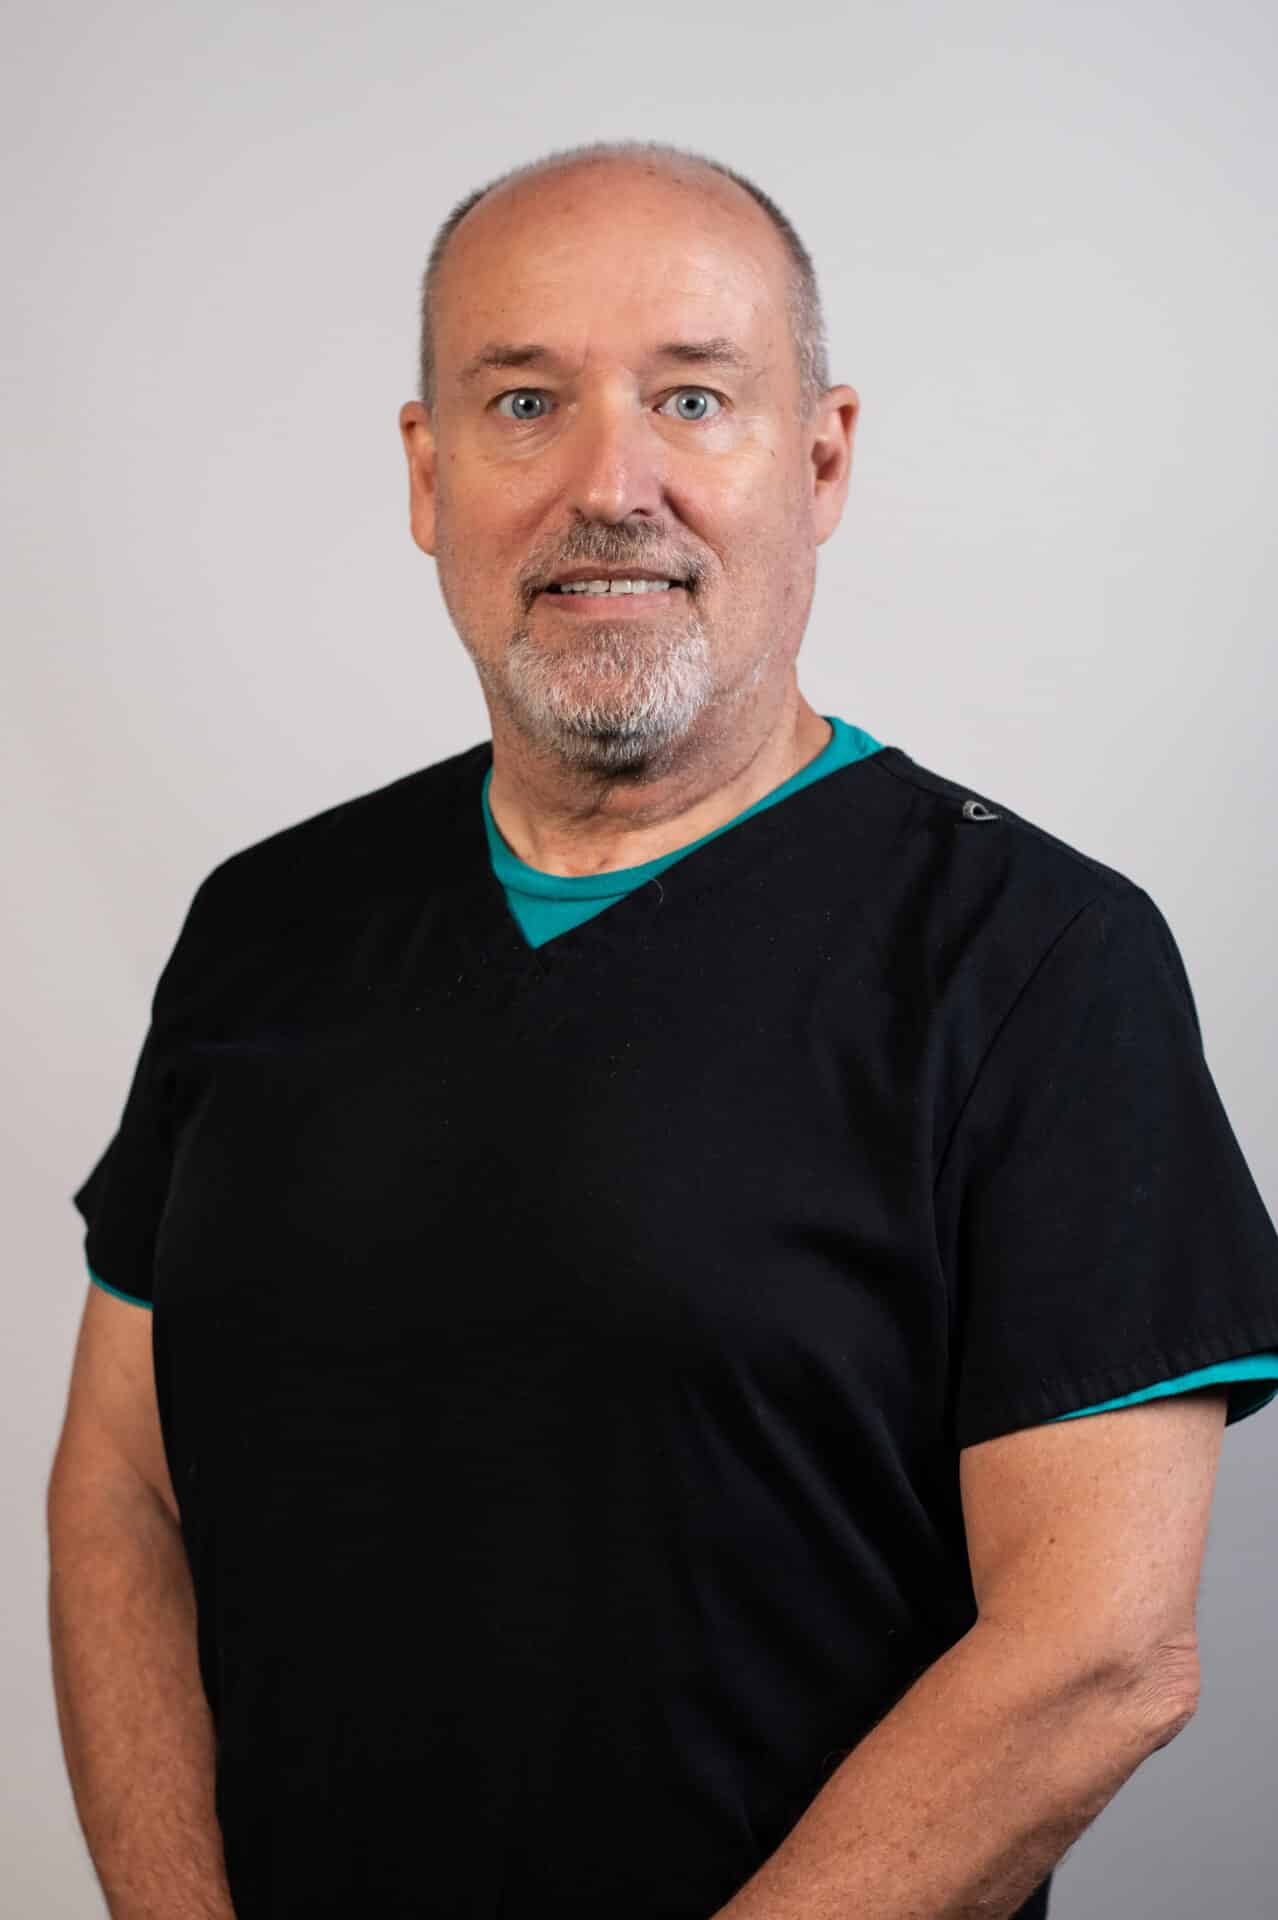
<point x="1045" y="236"/>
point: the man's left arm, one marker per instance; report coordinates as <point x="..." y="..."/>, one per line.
<point x="1085" y="1540"/>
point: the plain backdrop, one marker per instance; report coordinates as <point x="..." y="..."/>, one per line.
<point x="1046" y="240"/>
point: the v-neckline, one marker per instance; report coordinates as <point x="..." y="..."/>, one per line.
<point x="486" y="924"/>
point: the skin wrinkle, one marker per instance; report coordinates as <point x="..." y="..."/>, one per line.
<point x="616" y="740"/>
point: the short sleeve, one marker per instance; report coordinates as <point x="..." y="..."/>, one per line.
<point x="122" y="1199"/>
<point x="1099" y="1225"/>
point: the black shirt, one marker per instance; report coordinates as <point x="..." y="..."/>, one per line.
<point x="564" y="1354"/>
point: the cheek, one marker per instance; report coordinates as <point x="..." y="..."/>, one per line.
<point x="765" y="510"/>
<point x="771" y="548"/>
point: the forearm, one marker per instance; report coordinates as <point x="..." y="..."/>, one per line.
<point x="135" y="1724"/>
<point x="964" y="1797"/>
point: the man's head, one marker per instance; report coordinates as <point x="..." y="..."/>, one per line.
<point x="674" y="419"/>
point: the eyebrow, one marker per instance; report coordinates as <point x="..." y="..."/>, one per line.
<point x="718" y="351"/>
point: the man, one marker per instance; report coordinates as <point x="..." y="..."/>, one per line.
<point x="625" y="1207"/>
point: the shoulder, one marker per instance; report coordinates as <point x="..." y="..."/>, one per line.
<point x="993" y="929"/>
<point x="358" y="844"/>
<point x="977" y="896"/>
<point x="296" y="884"/>
<point x="977" y="848"/>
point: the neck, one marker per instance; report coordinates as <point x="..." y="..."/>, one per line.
<point x="571" y="821"/>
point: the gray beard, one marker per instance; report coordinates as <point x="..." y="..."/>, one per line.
<point x="612" y="700"/>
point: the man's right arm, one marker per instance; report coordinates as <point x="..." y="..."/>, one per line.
<point x="135" y="1724"/>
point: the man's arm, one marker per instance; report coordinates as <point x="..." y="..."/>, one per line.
<point x="1085" y="1539"/>
<point x="967" y="1794"/>
<point x="135" y="1725"/>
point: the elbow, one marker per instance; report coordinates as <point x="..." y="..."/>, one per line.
<point x="1161" y="1691"/>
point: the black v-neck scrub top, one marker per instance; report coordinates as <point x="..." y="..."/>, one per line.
<point x="564" y="1354"/>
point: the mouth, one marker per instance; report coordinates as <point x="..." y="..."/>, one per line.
<point x="621" y="595"/>
<point x="613" y="606"/>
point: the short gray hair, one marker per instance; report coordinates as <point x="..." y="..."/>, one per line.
<point x="807" y="323"/>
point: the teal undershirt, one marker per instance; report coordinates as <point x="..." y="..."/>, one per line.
<point x="546" y="904"/>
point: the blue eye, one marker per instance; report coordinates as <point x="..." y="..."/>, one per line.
<point x="519" y="393"/>
<point x="704" y="393"/>
<point x="516" y="394"/>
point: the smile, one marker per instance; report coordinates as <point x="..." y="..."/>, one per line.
<point x="589" y="587"/>
<point x="639" y="600"/>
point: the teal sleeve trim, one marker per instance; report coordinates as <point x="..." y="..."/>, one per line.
<point x="130" y="1297"/>
<point x="1252" y="1366"/>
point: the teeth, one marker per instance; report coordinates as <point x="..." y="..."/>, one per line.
<point x="615" y="586"/>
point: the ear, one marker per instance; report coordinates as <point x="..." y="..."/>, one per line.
<point x="419" y="445"/>
<point x="832" y="430"/>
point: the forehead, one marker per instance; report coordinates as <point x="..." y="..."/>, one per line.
<point x="611" y="261"/>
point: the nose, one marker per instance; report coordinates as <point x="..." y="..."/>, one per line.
<point x="615" y="460"/>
